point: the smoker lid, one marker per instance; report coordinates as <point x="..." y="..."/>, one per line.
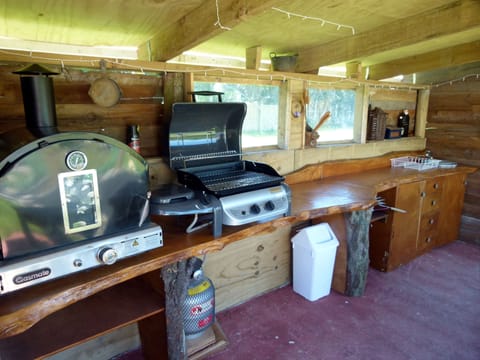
<point x="18" y="143"/>
<point x="205" y="133"/>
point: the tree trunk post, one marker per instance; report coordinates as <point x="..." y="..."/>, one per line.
<point x="358" y="227"/>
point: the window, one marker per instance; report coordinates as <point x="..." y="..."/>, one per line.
<point x="260" y="127"/>
<point x="341" y="104"/>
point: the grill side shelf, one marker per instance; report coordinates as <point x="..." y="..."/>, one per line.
<point x="190" y="180"/>
<point x="261" y="167"/>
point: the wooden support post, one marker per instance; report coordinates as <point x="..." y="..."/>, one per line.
<point x="253" y="57"/>
<point x="354" y="70"/>
<point x="176" y="277"/>
<point x="174" y="91"/>
<point x="358" y="227"/>
<point x="422" y="112"/>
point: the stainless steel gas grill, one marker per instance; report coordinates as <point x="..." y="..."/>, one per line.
<point x="68" y="201"/>
<point x="205" y="151"/>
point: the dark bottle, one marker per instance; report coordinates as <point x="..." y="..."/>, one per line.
<point x="403" y="122"/>
<point x="134" y="138"/>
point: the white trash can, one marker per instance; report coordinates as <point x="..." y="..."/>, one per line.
<point x="314" y="251"/>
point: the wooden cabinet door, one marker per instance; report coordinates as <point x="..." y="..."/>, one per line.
<point x="453" y="193"/>
<point x="403" y="245"/>
<point x="381" y="233"/>
<point x="433" y="218"/>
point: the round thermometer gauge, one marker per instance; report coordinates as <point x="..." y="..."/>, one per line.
<point x="76" y="160"/>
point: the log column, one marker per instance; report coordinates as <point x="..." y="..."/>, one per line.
<point x="358" y="226"/>
<point x="176" y="277"/>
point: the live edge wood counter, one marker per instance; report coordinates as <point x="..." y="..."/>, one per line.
<point x="22" y="309"/>
<point x="25" y="315"/>
<point x="313" y="198"/>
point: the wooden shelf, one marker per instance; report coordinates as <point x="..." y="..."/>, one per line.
<point x="209" y="343"/>
<point x="98" y="314"/>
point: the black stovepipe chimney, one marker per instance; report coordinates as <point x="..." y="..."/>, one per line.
<point x="38" y="99"/>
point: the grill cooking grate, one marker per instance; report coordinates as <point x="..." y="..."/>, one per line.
<point x="235" y="180"/>
<point x="196" y="157"/>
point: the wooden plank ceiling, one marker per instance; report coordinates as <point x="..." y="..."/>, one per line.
<point x="433" y="39"/>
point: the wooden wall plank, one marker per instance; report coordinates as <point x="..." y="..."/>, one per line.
<point x="461" y="117"/>
<point x="250" y="267"/>
<point x="453" y="133"/>
<point x="454" y="101"/>
<point x="141" y="103"/>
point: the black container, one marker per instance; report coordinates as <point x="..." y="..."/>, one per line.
<point x="404" y="122"/>
<point x="133" y="137"/>
<point x="38" y="99"/>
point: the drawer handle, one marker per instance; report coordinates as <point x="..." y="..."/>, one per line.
<point x="423" y="194"/>
<point x="431" y="221"/>
<point x="428" y="240"/>
<point x="434" y="202"/>
<point x="436" y="186"/>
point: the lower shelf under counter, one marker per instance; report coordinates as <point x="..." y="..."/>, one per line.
<point x="133" y="301"/>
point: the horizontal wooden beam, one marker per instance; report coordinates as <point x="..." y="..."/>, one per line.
<point x="200" y="25"/>
<point x="141" y="66"/>
<point x="453" y="56"/>
<point x="457" y="17"/>
<point x="449" y="75"/>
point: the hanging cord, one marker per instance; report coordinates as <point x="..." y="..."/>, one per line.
<point x="322" y="21"/>
<point x="191" y="228"/>
<point x="219" y="23"/>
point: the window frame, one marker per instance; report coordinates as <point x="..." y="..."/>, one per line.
<point x="358" y="110"/>
<point x="245" y="81"/>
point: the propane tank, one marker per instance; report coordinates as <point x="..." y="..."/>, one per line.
<point x="199" y="306"/>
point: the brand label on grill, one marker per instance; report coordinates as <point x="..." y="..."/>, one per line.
<point x="31" y="276"/>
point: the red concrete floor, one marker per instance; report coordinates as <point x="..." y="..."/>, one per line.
<point x="427" y="309"/>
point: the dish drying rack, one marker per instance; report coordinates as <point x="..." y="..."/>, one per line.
<point x="415" y="162"/>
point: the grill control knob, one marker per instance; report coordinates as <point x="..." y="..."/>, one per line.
<point x="269" y="205"/>
<point x="77" y="262"/>
<point x="255" y="209"/>
<point x="107" y="256"/>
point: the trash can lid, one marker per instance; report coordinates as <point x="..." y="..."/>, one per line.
<point x="315" y="236"/>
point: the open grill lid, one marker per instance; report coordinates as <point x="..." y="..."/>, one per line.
<point x="205" y="150"/>
<point x="205" y="133"/>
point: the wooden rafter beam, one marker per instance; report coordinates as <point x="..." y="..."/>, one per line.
<point x="460" y="16"/>
<point x="446" y="75"/>
<point x="444" y="58"/>
<point x="200" y="25"/>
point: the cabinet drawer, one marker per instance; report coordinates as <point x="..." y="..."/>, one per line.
<point x="425" y="242"/>
<point x="431" y="195"/>
<point x="433" y="186"/>
<point x="431" y="202"/>
<point x="428" y="231"/>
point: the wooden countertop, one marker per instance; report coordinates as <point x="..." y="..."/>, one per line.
<point x="354" y="191"/>
<point x="337" y="194"/>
